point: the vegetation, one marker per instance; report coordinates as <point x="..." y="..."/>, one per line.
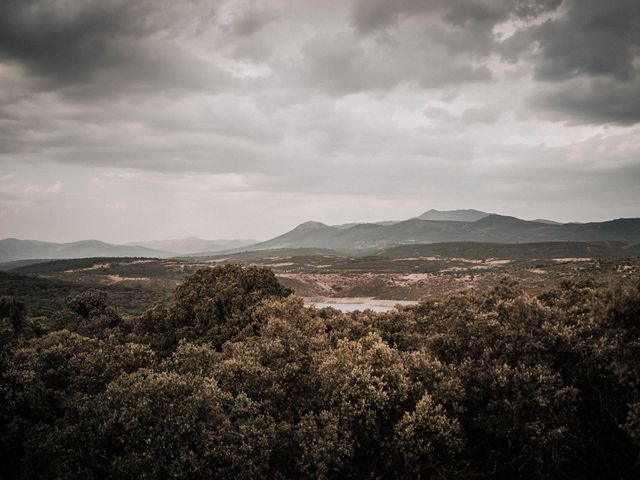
<point x="45" y="296"/>
<point x="409" y="272"/>
<point x="235" y="378"/>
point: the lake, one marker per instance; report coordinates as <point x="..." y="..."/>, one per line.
<point x="350" y="307"/>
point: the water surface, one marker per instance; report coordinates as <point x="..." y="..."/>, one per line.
<point x="350" y="307"/>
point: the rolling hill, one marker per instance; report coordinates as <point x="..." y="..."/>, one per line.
<point x="186" y="246"/>
<point x="12" y="249"/>
<point x="453" y="215"/>
<point x="491" y="228"/>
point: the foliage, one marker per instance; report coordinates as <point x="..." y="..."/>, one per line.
<point x="234" y="378"/>
<point x="45" y="296"/>
<point x="212" y="305"/>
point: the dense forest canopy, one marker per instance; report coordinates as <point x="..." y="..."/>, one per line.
<point x="236" y="378"/>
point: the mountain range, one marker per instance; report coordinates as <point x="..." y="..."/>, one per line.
<point x="12" y="249"/>
<point x="433" y="226"/>
<point x="186" y="246"/>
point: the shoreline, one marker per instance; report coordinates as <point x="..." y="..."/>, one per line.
<point x="374" y="302"/>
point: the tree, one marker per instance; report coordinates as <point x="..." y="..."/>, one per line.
<point x="215" y="304"/>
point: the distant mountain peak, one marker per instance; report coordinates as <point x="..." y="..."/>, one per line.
<point x="466" y="215"/>
<point x="310" y="225"/>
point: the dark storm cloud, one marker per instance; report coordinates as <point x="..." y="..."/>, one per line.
<point x="593" y="38"/>
<point x="586" y="55"/>
<point x="590" y="58"/>
<point x="104" y="43"/>
<point x="592" y="100"/>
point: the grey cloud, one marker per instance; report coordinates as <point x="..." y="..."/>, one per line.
<point x="340" y="65"/>
<point x="592" y="38"/>
<point x="585" y="56"/>
<point x="343" y="64"/>
<point x="599" y="171"/>
<point x="425" y="43"/>
<point x="372" y="15"/>
<point x="249" y="18"/>
<point x="104" y="42"/>
<point x="489" y="114"/>
<point x="587" y="61"/>
<point x="591" y="100"/>
<point x="68" y="41"/>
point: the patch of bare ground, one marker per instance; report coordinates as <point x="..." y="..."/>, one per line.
<point x="497" y="261"/>
<point x="566" y="260"/>
<point x="414" y="259"/>
<point x="97" y="266"/>
<point x="119" y="278"/>
<point x="464" y="269"/>
<point x="415" y="277"/>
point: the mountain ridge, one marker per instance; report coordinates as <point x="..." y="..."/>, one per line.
<point x="12" y="249"/>
<point x="488" y="228"/>
<point x="492" y="228"/>
<point x="190" y="245"/>
<point x="462" y="215"/>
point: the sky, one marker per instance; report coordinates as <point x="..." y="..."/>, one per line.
<point x="135" y="120"/>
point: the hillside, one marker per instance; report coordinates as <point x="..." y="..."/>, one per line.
<point x="454" y="215"/>
<point x="491" y="228"/>
<point x="12" y="249"/>
<point x="520" y="251"/>
<point x="186" y="246"/>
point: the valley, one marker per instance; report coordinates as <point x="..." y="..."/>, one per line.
<point x="372" y="277"/>
<point x="354" y="265"/>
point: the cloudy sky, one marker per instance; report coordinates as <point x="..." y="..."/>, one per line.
<point x="152" y="119"/>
